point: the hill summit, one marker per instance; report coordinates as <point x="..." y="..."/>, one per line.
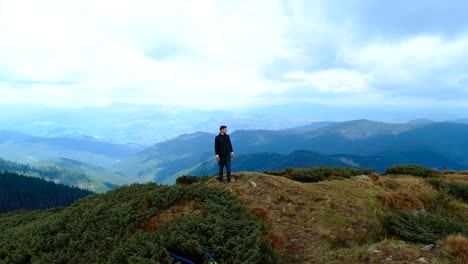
<point x="260" y="218"/>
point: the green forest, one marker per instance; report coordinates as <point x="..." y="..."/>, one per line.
<point x="115" y="228"/>
<point x="64" y="176"/>
<point x="29" y="193"/>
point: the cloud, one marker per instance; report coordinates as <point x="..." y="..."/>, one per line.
<point x="159" y="49"/>
<point x="209" y="54"/>
<point x="424" y="66"/>
<point x="339" y="81"/>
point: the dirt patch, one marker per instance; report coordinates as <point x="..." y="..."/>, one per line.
<point x="170" y="215"/>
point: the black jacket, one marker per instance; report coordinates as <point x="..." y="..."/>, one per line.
<point x="223" y="146"/>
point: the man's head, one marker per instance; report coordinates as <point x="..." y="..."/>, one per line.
<point x="223" y="130"/>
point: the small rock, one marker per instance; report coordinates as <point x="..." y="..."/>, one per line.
<point x="389" y="258"/>
<point x="423" y="260"/>
<point x="372" y="248"/>
<point x="428" y="247"/>
<point x="376" y="251"/>
<point x="363" y="177"/>
<point x="253" y="184"/>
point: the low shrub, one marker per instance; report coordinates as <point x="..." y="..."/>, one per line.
<point x="316" y="174"/>
<point x="415" y="170"/>
<point x="101" y="229"/>
<point x="422" y="227"/>
<point x="458" y="190"/>
<point x="449" y="172"/>
<point x="204" y="178"/>
<point x="186" y="180"/>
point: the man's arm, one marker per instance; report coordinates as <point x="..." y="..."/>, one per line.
<point x="230" y="147"/>
<point x="216" y="147"/>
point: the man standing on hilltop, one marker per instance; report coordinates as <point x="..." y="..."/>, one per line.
<point x="224" y="152"/>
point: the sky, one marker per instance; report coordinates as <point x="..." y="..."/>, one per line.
<point x="235" y="54"/>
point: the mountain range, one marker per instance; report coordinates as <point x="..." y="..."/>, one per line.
<point x="146" y="125"/>
<point x="21" y="147"/>
<point x="127" y="123"/>
<point x="357" y="143"/>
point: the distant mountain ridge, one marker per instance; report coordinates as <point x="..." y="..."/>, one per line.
<point x="312" y="126"/>
<point x="433" y="144"/>
<point x="355" y="143"/>
<point x="26" y="149"/>
<point x="88" y="169"/>
<point x="132" y="123"/>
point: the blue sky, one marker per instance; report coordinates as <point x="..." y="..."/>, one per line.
<point x="235" y="54"/>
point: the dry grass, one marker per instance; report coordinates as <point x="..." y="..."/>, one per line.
<point x="406" y="254"/>
<point x="391" y="184"/>
<point x="400" y="201"/>
<point x="277" y="240"/>
<point x="376" y="178"/>
<point x="308" y="219"/>
<point x="456" y="246"/>
<point x="415" y="186"/>
<point x="333" y="221"/>
<point x="458" y="178"/>
<point x="262" y="213"/>
<point x="449" y="172"/>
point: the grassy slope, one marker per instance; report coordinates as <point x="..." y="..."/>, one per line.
<point x="334" y="221"/>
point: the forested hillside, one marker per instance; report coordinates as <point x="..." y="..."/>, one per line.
<point x="58" y="175"/>
<point x="28" y="193"/>
<point x="138" y="224"/>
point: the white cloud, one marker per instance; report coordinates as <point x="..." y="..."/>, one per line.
<point x="420" y="63"/>
<point x="209" y="53"/>
<point x="105" y="49"/>
<point x="340" y="81"/>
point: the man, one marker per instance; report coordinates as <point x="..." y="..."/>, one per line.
<point x="224" y="152"/>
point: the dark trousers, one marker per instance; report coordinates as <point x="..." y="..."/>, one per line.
<point x="224" y="161"/>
